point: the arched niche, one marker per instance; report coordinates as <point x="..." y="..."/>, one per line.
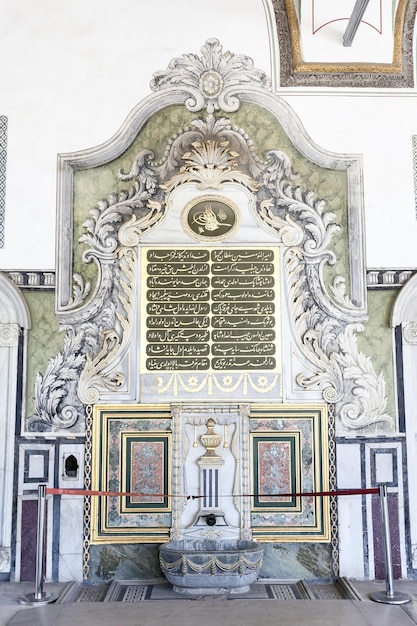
<point x="14" y="322"/>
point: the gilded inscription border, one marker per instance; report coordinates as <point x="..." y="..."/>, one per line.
<point x="171" y="309"/>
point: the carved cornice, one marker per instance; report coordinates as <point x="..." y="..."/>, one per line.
<point x="29" y="280"/>
<point x="297" y="73"/>
<point x="388" y="278"/>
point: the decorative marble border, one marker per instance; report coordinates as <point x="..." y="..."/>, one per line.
<point x="296" y="73"/>
<point x="373" y="462"/>
<point x="276" y="468"/>
<point x="3" y="160"/>
<point x="306" y="469"/>
<point x="146" y="462"/>
<point x="115" y="431"/>
<point x="43" y="465"/>
<point x="375" y="278"/>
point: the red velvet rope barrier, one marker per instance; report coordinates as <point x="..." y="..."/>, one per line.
<point x="305" y="494"/>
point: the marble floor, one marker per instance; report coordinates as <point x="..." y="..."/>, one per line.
<point x="239" y="610"/>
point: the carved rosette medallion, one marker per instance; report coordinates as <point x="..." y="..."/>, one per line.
<point x="9" y="335"/>
<point x="410" y="333"/>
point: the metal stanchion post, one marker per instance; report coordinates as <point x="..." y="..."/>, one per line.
<point x="389" y="596"/>
<point x="39" y="597"/>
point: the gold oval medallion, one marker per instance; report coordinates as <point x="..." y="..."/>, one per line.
<point x="210" y="218"/>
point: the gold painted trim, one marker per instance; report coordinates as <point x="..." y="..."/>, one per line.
<point x="121" y="534"/>
<point x="300" y="66"/>
<point x="123" y="508"/>
<point x="320" y="532"/>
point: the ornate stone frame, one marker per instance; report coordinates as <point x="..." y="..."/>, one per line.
<point x="294" y="72"/>
<point x="99" y="325"/>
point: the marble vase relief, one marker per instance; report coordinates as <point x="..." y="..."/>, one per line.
<point x="212" y="268"/>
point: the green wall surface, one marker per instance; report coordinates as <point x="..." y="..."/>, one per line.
<point x="44" y="339"/>
<point x="376" y="341"/>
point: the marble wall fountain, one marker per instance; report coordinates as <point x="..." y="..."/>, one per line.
<point x="208" y="558"/>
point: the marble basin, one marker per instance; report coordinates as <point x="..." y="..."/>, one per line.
<point x="211" y="566"/>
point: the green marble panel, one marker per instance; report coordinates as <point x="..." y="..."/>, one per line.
<point x="376" y="341"/>
<point x="266" y="133"/>
<point x="141" y="561"/>
<point x="44" y="339"/>
<point x="306" y="561"/>
<point x="124" y="562"/>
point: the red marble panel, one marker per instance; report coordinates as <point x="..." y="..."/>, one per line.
<point x="274" y="470"/>
<point x="147" y="471"/>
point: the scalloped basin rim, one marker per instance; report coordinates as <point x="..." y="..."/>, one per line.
<point x="215" y="566"/>
<point x="191" y="546"/>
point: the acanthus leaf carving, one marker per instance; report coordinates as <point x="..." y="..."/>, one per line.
<point x="56" y="402"/>
<point x="211" y="153"/>
<point x="325" y="325"/>
<point x="366" y="403"/>
<point x="213" y="80"/>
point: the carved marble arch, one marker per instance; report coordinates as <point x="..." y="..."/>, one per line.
<point x="15" y="321"/>
<point x="404" y="325"/>
<point x="294" y="71"/>
<point x="209" y="151"/>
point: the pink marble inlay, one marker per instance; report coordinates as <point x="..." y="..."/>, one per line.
<point x="147" y="471"/>
<point x="274" y="470"/>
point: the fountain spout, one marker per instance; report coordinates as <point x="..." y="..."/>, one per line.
<point x="211" y="519"/>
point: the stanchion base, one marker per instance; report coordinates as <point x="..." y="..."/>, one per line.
<point x="30" y="599"/>
<point x="396" y="598"/>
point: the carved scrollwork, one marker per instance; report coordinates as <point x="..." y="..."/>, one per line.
<point x="98" y="329"/>
<point x="214" y="80"/>
<point x="210" y="152"/>
<point x="325" y="324"/>
<point x="364" y="400"/>
<point x="56" y="402"/>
